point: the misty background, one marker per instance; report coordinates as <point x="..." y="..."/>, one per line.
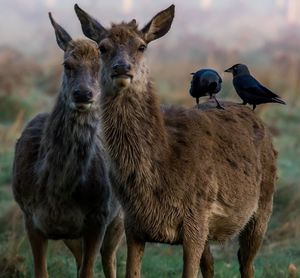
<point x="206" y="33"/>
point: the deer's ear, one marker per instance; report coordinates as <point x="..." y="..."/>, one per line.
<point x="62" y="37"/>
<point x="90" y="26"/>
<point x="159" y="25"/>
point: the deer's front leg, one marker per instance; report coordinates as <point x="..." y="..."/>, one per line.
<point x="39" y="245"/>
<point x="113" y="236"/>
<point x="194" y="239"/>
<point x="75" y="246"/>
<point x="135" y="252"/>
<point x="92" y="240"/>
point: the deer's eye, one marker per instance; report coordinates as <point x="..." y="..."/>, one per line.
<point x="142" y="48"/>
<point x="102" y="49"/>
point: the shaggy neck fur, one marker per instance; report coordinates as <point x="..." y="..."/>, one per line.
<point x="136" y="140"/>
<point x="67" y="147"/>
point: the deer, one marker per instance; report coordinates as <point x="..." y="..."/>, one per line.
<point x="183" y="175"/>
<point x="60" y="171"/>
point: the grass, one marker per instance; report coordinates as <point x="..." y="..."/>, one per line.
<point x="286" y="121"/>
<point x="11" y="105"/>
<point x="164" y="261"/>
<point x="6" y="158"/>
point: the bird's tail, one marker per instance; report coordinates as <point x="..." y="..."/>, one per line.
<point x="278" y="100"/>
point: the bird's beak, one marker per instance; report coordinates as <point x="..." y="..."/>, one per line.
<point x="192" y="73"/>
<point x="228" y="70"/>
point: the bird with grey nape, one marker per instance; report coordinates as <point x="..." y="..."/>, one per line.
<point x="206" y="82"/>
<point x="249" y="89"/>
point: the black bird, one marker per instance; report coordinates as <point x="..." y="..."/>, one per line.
<point x="206" y="82"/>
<point x="249" y="89"/>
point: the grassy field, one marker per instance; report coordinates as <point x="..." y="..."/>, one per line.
<point x="159" y="260"/>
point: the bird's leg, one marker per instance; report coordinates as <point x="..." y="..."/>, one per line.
<point x="197" y="100"/>
<point x="254" y="106"/>
<point x="219" y="106"/>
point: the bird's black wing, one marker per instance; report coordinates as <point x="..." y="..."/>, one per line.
<point x="251" y="85"/>
<point x="268" y="92"/>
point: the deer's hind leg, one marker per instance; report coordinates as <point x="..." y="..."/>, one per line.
<point x="251" y="238"/>
<point x="112" y="239"/>
<point x="39" y="245"/>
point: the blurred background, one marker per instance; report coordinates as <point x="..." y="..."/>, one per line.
<point x="265" y="35"/>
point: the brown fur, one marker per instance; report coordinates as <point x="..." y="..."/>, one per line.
<point x="183" y="176"/>
<point x="60" y="177"/>
<point x="83" y="50"/>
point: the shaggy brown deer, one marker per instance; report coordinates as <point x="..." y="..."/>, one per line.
<point x="60" y="176"/>
<point x="183" y="176"/>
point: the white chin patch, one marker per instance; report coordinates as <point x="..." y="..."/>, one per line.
<point x="83" y="106"/>
<point x="121" y="82"/>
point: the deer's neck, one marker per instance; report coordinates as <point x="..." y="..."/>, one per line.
<point x="135" y="138"/>
<point x="67" y="147"/>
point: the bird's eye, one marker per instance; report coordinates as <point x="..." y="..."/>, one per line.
<point x="102" y="49"/>
<point x="142" y="48"/>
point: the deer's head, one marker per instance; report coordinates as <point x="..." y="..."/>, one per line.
<point x="123" y="48"/>
<point x="81" y="70"/>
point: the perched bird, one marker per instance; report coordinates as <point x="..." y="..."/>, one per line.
<point x="249" y="89"/>
<point x="206" y="82"/>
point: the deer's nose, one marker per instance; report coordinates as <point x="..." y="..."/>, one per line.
<point x="121" y="68"/>
<point x="82" y="95"/>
